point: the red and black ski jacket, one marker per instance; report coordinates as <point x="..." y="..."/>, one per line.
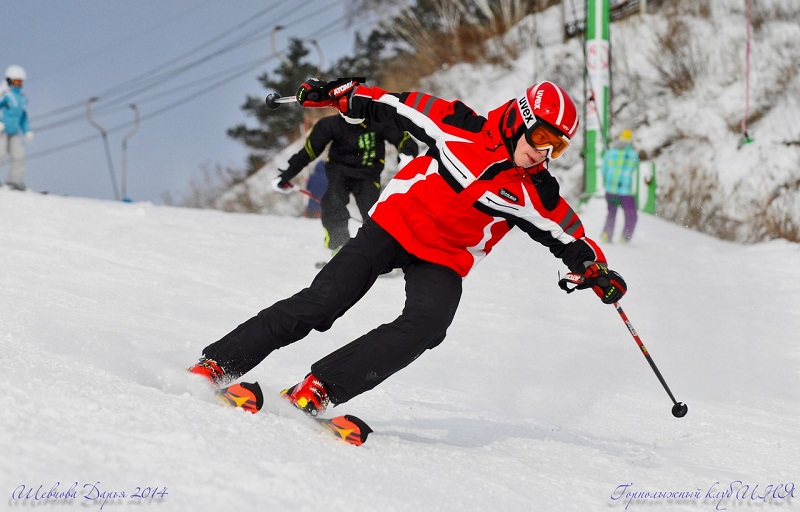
<point x="452" y="204"/>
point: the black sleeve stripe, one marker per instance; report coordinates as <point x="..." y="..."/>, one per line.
<point x="570" y="223"/>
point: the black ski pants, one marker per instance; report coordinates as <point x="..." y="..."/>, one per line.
<point x="335" y="215"/>
<point x="432" y="296"/>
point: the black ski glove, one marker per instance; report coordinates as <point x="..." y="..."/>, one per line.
<point x="282" y="185"/>
<point x="606" y="284"/>
<point x="313" y="93"/>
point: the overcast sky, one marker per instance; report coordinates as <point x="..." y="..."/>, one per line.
<point x="186" y="64"/>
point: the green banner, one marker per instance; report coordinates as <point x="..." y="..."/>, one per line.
<point x="597" y="80"/>
<point x="646" y="187"/>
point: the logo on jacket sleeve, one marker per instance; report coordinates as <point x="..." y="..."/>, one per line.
<point x="508" y="195"/>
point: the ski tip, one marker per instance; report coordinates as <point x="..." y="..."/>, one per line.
<point x="350" y="429"/>
<point x="244" y="395"/>
<point x="363" y="429"/>
<point x="255" y="389"/>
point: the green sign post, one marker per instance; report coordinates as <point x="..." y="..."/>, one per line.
<point x="597" y="86"/>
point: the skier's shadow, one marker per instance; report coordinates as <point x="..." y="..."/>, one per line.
<point x="461" y="432"/>
<point x="479" y="433"/>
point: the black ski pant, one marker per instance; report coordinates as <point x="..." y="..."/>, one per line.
<point x="432" y="296"/>
<point x="334" y="213"/>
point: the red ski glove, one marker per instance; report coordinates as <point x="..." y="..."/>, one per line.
<point x="340" y="90"/>
<point x="607" y="284"/>
<point x="315" y="93"/>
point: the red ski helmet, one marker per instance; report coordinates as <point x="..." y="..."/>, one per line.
<point x="546" y="115"/>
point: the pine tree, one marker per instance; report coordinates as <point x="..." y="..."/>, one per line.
<point x="276" y="128"/>
<point x="367" y="58"/>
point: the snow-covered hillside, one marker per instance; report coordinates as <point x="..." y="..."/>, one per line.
<point x="537" y="400"/>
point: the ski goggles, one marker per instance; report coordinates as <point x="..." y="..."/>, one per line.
<point x="542" y="136"/>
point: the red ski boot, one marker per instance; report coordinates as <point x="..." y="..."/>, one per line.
<point x="209" y="369"/>
<point x="309" y="395"/>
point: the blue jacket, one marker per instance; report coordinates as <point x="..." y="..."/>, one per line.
<point x="14" y="108"/>
<point x="619" y="170"/>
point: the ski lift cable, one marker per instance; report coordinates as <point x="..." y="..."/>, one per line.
<point x="206" y="88"/>
<point x="138" y="78"/>
<point x="169" y="74"/>
<point x="122" y="103"/>
<point x="125" y="40"/>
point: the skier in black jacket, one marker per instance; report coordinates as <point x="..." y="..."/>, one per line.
<point x="354" y="165"/>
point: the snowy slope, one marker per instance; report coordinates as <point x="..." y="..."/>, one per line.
<point x="536" y="401"/>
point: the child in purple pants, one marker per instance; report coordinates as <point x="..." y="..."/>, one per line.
<point x="620" y="166"/>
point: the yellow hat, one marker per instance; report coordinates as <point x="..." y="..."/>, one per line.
<point x="626" y="135"/>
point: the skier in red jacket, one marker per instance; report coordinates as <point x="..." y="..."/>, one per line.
<point x="436" y="219"/>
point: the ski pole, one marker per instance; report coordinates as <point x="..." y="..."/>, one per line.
<point x="273" y="100"/>
<point x="679" y="409"/>
<point x="310" y="195"/>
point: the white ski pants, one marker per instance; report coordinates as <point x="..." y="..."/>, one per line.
<point x="11" y="145"/>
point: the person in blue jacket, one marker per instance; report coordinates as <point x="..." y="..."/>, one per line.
<point x="620" y="166"/>
<point x="317" y="185"/>
<point x="14" y="126"/>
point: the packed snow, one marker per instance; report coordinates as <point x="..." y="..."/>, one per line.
<point x="537" y="400"/>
